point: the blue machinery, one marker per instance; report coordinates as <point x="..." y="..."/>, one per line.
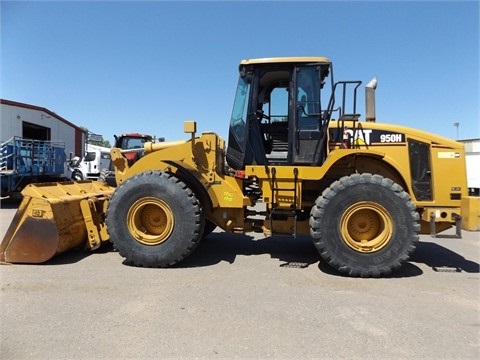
<point x="23" y="161"/>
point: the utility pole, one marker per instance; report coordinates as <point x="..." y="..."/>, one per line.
<point x="456" y="125"/>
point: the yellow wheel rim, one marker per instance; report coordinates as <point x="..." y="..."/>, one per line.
<point x="366" y="227"/>
<point x="150" y="221"/>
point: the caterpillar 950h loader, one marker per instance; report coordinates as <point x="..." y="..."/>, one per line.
<point x="362" y="190"/>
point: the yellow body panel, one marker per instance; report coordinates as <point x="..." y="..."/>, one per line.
<point x="201" y="157"/>
<point x="471" y="213"/>
<point x="447" y="160"/>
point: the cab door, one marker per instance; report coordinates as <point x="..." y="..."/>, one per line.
<point x="309" y="126"/>
<point x="244" y="140"/>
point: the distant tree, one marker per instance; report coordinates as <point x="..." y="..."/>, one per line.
<point x="104" y="143"/>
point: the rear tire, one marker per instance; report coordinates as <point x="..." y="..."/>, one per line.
<point x="154" y="219"/>
<point x="364" y="225"/>
<point x="107" y="176"/>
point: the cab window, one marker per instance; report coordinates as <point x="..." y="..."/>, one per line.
<point x="90" y="156"/>
<point x="238" y="120"/>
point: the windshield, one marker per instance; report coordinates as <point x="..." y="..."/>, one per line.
<point x="238" y="120"/>
<point x="133" y="143"/>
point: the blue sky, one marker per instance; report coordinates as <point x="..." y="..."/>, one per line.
<point x="119" y="66"/>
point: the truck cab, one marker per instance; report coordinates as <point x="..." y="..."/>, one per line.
<point x="91" y="164"/>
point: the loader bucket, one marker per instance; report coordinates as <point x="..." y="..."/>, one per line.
<point x="55" y="217"/>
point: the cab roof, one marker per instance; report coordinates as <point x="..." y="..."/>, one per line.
<point x="294" y="59"/>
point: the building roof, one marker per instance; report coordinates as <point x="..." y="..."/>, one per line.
<point x="39" y="108"/>
<point x="469" y="140"/>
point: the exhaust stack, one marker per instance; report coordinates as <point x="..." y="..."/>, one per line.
<point x="370" y="100"/>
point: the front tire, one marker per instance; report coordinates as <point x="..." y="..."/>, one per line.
<point x="154" y="219"/>
<point x="77" y="175"/>
<point x="364" y="225"/>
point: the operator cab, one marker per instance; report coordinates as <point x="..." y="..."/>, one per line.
<point x="281" y="112"/>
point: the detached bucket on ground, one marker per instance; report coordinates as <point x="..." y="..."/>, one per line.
<point x="56" y="217"/>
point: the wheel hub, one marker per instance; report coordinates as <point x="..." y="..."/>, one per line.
<point x="150" y="221"/>
<point x="366" y="227"/>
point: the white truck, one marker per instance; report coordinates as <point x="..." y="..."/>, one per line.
<point x="95" y="159"/>
<point x="472" y="158"/>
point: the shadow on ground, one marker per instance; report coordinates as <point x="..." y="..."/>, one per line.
<point x="218" y="247"/>
<point x="9" y="203"/>
<point x="301" y="253"/>
<point x="290" y="252"/>
<point x="440" y="259"/>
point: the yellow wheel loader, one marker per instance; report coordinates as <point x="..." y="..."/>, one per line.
<point x="362" y="190"/>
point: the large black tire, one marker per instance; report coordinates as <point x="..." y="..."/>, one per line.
<point x="364" y="225"/>
<point x="107" y="176"/>
<point x="103" y="175"/>
<point x="77" y="175"/>
<point x="154" y="219"/>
